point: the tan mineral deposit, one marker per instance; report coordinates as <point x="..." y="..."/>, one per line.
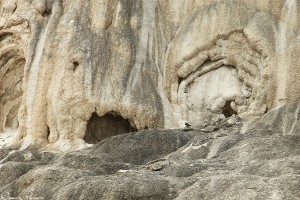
<point x="78" y="74"/>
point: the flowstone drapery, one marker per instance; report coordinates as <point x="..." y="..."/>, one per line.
<point x="69" y="70"/>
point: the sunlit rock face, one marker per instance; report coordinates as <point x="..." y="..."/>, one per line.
<point x="245" y="36"/>
<point x="153" y="64"/>
<point x="14" y="34"/>
<point x="218" y="91"/>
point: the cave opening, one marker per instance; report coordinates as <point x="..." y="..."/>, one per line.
<point x="228" y="110"/>
<point x="110" y="124"/>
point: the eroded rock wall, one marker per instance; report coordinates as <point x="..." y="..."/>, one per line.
<point x="14" y="33"/>
<point x="155" y="64"/>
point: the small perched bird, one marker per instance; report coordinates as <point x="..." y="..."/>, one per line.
<point x="187" y="124"/>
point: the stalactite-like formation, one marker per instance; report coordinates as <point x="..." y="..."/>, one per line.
<point x="65" y="65"/>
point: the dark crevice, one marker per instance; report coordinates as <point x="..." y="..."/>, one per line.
<point x="48" y="133"/>
<point x="15" y="8"/>
<point x="4" y="35"/>
<point x="228" y="110"/>
<point x="75" y="65"/>
<point x="46" y="13"/>
<point x="99" y="128"/>
<point x="180" y="80"/>
<point x="267" y="110"/>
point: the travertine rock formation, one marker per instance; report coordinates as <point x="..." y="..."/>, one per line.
<point x="71" y="69"/>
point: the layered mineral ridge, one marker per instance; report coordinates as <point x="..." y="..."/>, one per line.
<point x="149" y="99"/>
